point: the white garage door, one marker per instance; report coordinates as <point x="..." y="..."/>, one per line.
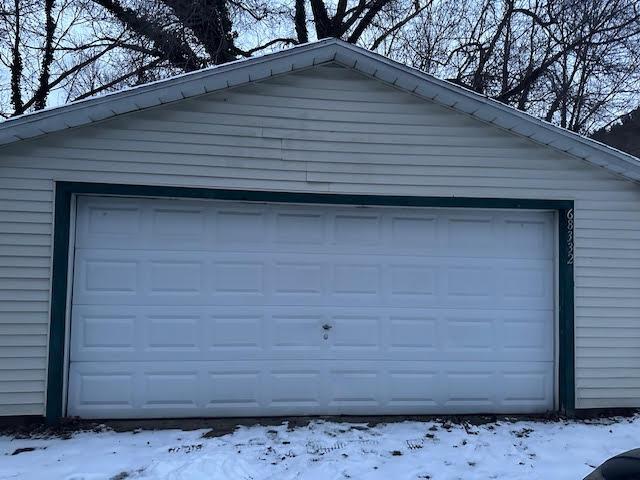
<point x="198" y="308"/>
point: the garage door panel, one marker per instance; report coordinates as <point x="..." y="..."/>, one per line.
<point x="172" y="333"/>
<point x="526" y="387"/>
<point x="295" y="332"/>
<point x="527" y="282"/>
<point x="120" y="223"/>
<point x="528" y="237"/>
<point x="100" y="224"/>
<point x="410" y="387"/>
<point x="204" y="308"/>
<point x="483" y="226"/>
<point x="139" y="277"/>
<point x="300" y="229"/>
<point x="414" y="233"/>
<point x="107" y="276"/>
<point x="192" y="389"/>
<point x="292" y="387"/>
<point x="102" y="332"/>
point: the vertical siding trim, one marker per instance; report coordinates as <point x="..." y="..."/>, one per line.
<point x="62" y="223"/>
<point x="566" y="249"/>
<point x="55" y="374"/>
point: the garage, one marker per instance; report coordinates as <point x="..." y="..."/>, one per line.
<point x="187" y="308"/>
<point x="317" y="231"/>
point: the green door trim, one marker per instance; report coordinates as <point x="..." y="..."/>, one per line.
<point x="61" y="236"/>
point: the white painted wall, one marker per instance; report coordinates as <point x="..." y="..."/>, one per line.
<point x="326" y="129"/>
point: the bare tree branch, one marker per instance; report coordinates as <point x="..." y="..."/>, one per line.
<point x="118" y="80"/>
<point x="300" y="20"/>
<point x="209" y="21"/>
<point x="394" y="28"/>
<point x="284" y="41"/>
<point x="366" y="20"/>
<point x="174" y="50"/>
<point x="16" y="65"/>
<point x="76" y="68"/>
<point x="40" y="97"/>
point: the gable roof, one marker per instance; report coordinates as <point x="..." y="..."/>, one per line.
<point x="330" y="50"/>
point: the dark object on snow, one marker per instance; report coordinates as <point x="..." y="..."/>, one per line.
<point x="18" y="451"/>
<point x="625" y="466"/>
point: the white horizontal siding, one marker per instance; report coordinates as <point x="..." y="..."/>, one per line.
<point x="25" y="257"/>
<point x="321" y="130"/>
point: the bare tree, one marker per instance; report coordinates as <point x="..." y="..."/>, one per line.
<point x="572" y="62"/>
<point x="42" y="50"/>
<point x="568" y="61"/>
<point x="16" y="65"/>
<point x="351" y="20"/>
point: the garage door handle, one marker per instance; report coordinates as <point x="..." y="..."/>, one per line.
<point x="326" y="326"/>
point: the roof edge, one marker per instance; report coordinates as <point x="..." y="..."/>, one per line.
<point x="485" y="108"/>
<point x="243" y="71"/>
<point x="182" y="80"/>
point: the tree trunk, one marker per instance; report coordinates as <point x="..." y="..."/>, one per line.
<point x="40" y="97"/>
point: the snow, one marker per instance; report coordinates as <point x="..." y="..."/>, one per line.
<point x="322" y="450"/>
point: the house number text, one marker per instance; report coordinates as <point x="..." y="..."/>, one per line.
<point x="570" y="246"/>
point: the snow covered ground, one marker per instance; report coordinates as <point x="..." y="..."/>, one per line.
<point x="326" y="451"/>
